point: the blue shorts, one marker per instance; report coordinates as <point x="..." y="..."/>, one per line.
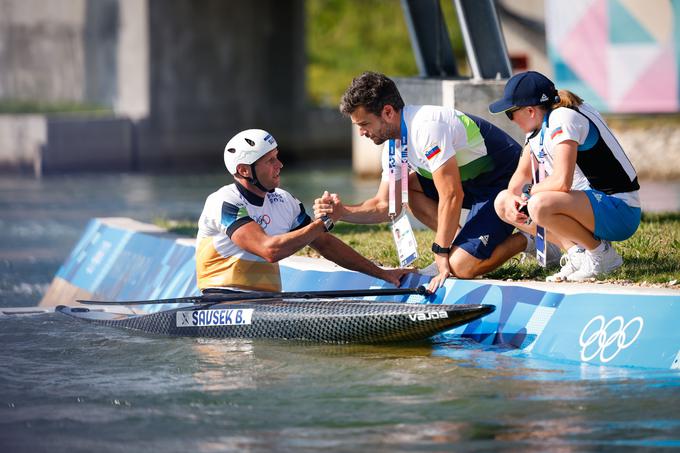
<point x="614" y="219"/>
<point x="483" y="230"/>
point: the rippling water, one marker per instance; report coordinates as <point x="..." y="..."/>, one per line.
<point x="69" y="386"/>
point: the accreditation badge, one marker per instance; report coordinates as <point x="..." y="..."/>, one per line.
<point x="541" y="245"/>
<point x="405" y="240"/>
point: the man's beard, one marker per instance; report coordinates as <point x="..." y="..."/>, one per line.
<point x="386" y="134"/>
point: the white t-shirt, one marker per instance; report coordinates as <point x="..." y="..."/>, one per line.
<point x="222" y="263"/>
<point x="435" y="134"/>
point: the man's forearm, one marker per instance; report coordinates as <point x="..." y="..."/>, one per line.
<point x="284" y="245"/>
<point x="368" y="212"/>
<point x="448" y="218"/>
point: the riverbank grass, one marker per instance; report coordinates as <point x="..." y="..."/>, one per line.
<point x="651" y="256"/>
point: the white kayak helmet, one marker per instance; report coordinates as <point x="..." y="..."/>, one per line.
<point x="246" y="147"/>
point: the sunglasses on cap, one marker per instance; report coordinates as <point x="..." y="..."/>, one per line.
<point x="510" y="113"/>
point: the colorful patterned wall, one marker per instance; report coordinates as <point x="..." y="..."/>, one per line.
<point x="619" y="55"/>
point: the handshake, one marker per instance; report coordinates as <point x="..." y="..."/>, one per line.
<point x="329" y="204"/>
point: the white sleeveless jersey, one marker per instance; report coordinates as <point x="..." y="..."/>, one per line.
<point x="222" y="263"/>
<point x="601" y="162"/>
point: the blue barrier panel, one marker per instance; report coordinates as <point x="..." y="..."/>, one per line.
<point x="596" y="324"/>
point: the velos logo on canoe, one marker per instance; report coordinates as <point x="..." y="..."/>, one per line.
<point x="209" y="318"/>
<point x="441" y="314"/>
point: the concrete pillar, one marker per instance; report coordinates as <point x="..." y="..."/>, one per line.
<point x="217" y="67"/>
<point x="189" y="74"/>
<point x="41" y="50"/>
<point x="133" y="60"/>
<point x="21" y="140"/>
<point x="100" y="41"/>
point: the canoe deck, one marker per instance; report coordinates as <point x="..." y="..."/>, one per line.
<point x="328" y="321"/>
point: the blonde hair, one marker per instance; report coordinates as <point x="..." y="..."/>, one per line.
<point x="568" y="100"/>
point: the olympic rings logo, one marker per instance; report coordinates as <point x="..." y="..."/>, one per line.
<point x="608" y="338"/>
<point x="264" y="221"/>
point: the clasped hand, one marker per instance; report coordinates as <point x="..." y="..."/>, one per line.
<point x="328" y="204"/>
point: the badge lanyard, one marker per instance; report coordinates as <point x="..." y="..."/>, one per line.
<point x="538" y="176"/>
<point x="404" y="161"/>
<point x="402" y="145"/>
<point x="404" y="238"/>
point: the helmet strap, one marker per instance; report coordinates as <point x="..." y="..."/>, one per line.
<point x="256" y="182"/>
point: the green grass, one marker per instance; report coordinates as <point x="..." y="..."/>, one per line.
<point x="651" y="256"/>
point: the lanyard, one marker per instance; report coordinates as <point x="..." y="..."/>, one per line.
<point x="541" y="243"/>
<point x="402" y="145"/>
<point x="540" y="157"/>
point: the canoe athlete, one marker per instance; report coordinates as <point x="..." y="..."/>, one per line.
<point x="248" y="226"/>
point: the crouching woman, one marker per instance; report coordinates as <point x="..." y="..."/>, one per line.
<point x="574" y="179"/>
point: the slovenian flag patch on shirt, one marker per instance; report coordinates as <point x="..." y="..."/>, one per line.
<point x="555" y="133"/>
<point x="433" y="152"/>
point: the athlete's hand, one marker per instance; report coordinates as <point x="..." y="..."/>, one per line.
<point x="323" y="205"/>
<point x="394" y="276"/>
<point x="444" y="273"/>
<point x="329" y="204"/>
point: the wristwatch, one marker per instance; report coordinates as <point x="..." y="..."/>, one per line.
<point x="327" y="222"/>
<point x="436" y="248"/>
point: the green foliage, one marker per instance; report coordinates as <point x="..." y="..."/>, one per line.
<point x="346" y="37"/>
<point x="17" y="106"/>
<point x="652" y="255"/>
<point x="181" y="227"/>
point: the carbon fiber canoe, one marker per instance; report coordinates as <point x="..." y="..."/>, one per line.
<point x="328" y="321"/>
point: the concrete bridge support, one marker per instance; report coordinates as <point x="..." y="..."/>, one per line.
<point x="187" y="75"/>
<point x="216" y="67"/>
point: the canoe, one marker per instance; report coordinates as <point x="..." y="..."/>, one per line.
<point x="328" y="321"/>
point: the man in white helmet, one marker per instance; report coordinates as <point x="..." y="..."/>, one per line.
<point x="248" y="226"/>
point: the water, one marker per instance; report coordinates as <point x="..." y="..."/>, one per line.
<point x="69" y="386"/>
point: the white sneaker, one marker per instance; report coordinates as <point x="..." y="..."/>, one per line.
<point x="430" y="271"/>
<point x="570" y="262"/>
<point x="553" y="252"/>
<point x="596" y="264"/>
